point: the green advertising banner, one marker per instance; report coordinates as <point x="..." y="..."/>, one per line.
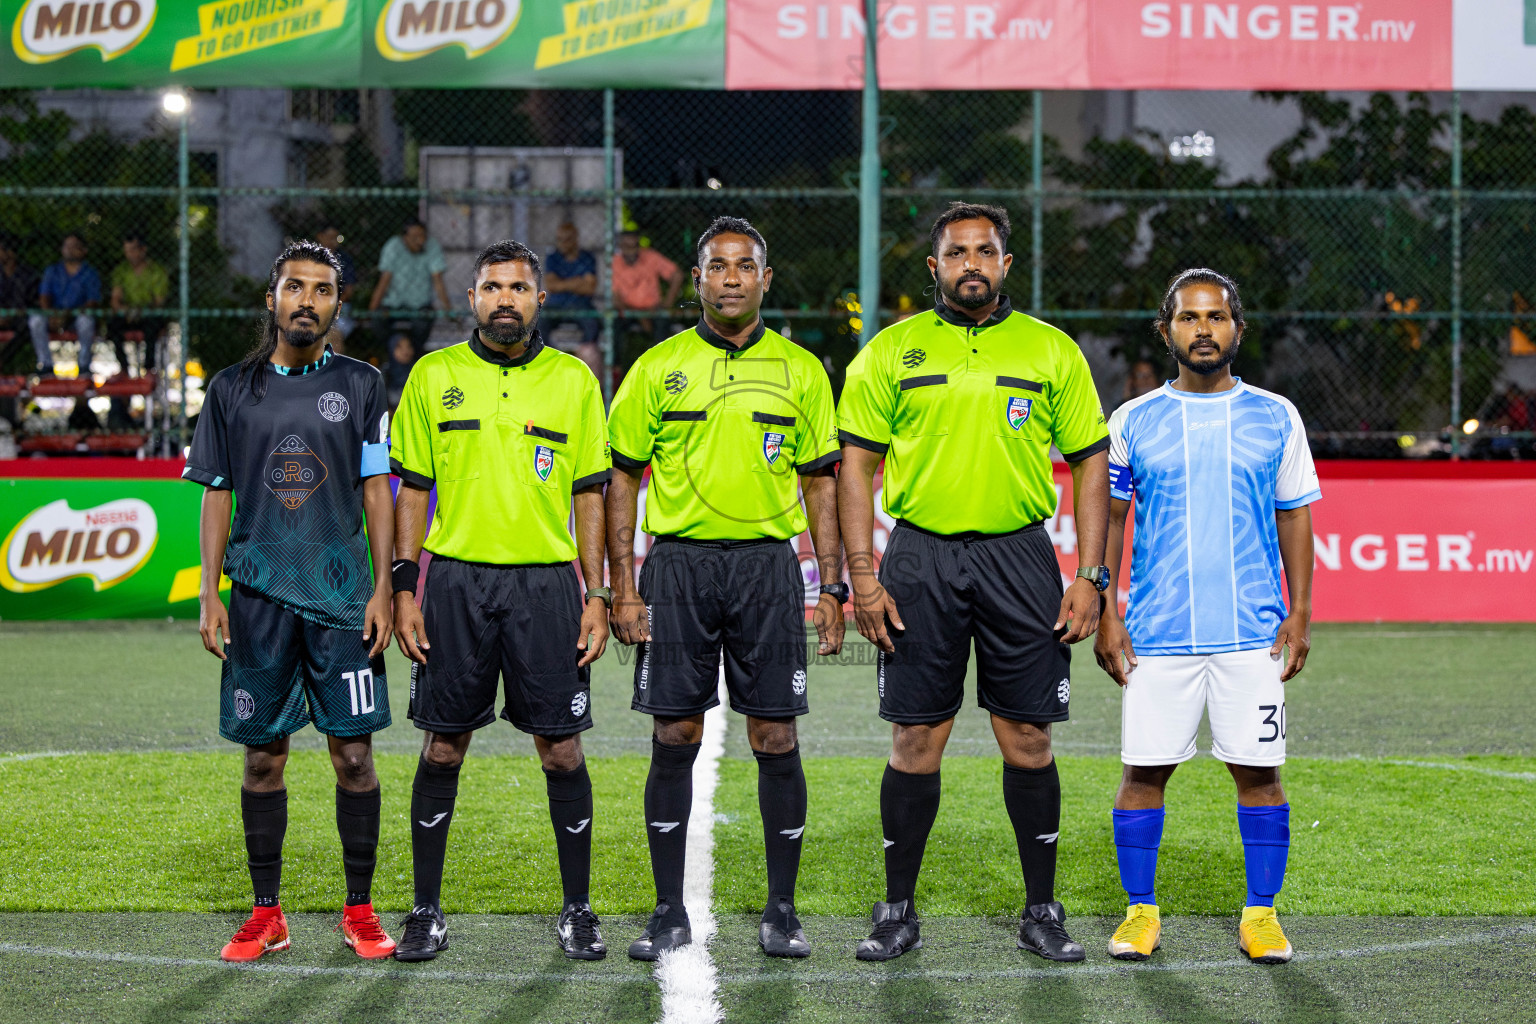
<point x="98" y="549"/>
<point x="375" y="43"/>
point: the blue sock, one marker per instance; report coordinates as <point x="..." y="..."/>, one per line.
<point x="1266" y="833"/>
<point x="1137" y="837"/>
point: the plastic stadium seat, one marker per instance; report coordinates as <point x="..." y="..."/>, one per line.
<point x="133" y="335"/>
<point x="11" y="387"/>
<point x="61" y="387"/>
<point x="121" y="385"/>
<point x="48" y="443"/>
<point x="115" y="443"/>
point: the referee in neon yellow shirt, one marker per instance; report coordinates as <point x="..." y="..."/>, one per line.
<point x="964" y="404"/>
<point x="736" y="423"/>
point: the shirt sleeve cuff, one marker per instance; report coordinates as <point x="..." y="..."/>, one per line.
<point x="828" y="460"/>
<point x="590" y="480"/>
<point x="847" y="437"/>
<point x="1101" y="445"/>
<point x="411" y="477"/>
<point x="212" y="481"/>
<point x="626" y="462"/>
<point x="1305" y="499"/>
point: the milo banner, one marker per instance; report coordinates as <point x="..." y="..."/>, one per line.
<point x="99" y="548"/>
<point x="348" y="43"/>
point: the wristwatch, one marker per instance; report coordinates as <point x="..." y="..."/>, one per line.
<point x="838" y="590"/>
<point x="1098" y="575"/>
<point x="606" y="593"/>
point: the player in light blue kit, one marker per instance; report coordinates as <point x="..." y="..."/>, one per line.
<point x="1222" y="481"/>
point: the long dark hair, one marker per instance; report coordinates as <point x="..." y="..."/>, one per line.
<point x="256" y="360"/>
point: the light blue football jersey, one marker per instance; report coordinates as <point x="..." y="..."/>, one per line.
<point x="1207" y="473"/>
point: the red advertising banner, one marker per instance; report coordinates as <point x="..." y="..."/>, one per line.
<point x="1106" y="44"/>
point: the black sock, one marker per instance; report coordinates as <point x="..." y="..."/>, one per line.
<point x="908" y="806"/>
<point x="1033" y="799"/>
<point x="668" y="798"/>
<point x="432" y="796"/>
<point x="570" y="811"/>
<point x="265" y="816"/>
<point x="781" y="799"/>
<point x="357" y="821"/>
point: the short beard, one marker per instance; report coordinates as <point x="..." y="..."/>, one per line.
<point x="1204" y="367"/>
<point x="301" y="337"/>
<point x="504" y="334"/>
<point x="985" y="297"/>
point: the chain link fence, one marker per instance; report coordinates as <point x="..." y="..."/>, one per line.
<point x="1384" y="245"/>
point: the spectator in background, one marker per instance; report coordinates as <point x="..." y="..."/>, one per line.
<point x="138" y="283"/>
<point x="18" y="290"/>
<point x="411" y="269"/>
<point x="638" y="275"/>
<point x="402" y="357"/>
<point x="73" y="287"/>
<point x="570" y="281"/>
<point x="1143" y="379"/>
<point x="331" y="237"/>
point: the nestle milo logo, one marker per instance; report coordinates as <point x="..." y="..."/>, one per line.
<point x="408" y="29"/>
<point x="54" y="543"/>
<point x="46" y="30"/>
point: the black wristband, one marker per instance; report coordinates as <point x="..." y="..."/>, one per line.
<point x="404" y="573"/>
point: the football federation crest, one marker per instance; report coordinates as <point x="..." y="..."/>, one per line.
<point x="453" y="398"/>
<point x="675" y="382"/>
<point x="333" y="406"/>
<point x="771" y="444"/>
<point x="543" y="461"/>
<point x="294" y="472"/>
<point x="1018" y="411"/>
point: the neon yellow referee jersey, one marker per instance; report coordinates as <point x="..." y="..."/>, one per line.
<point x="505" y="441"/>
<point x="966" y="414"/>
<point x="726" y="432"/>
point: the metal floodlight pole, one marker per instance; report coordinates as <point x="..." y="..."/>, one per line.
<point x="1037" y="208"/>
<point x="610" y="220"/>
<point x="1455" y="275"/>
<point x="869" y="186"/>
<point x="183" y="263"/>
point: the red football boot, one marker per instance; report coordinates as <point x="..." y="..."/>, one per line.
<point x="362" y="930"/>
<point x="264" y="931"/>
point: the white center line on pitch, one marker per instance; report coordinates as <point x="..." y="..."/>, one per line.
<point x="687" y="976"/>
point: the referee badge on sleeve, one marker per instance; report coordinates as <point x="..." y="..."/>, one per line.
<point x="1018" y="411"/>
<point x="543" y="461"/>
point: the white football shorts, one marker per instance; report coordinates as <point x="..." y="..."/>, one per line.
<point x="1167" y="693"/>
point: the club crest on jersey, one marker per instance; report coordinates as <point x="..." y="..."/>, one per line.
<point x="333" y="406"/>
<point x="294" y="472"/>
<point x="772" y="442"/>
<point x="453" y="398"/>
<point x="1018" y="411"/>
<point x="579" y="704"/>
<point x="245" y="705"/>
<point x="543" y="461"/>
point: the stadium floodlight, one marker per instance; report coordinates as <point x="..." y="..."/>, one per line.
<point x="1470" y="427"/>
<point x="715" y="183"/>
<point x="174" y="102"/>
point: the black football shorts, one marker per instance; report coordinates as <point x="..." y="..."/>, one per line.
<point x="516" y="625"/>
<point x="284" y="671"/>
<point x="746" y="598"/>
<point x="1002" y="590"/>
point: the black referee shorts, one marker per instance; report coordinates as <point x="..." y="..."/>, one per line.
<point x="747" y="598"/>
<point x="518" y="623"/>
<point x="1003" y="590"/>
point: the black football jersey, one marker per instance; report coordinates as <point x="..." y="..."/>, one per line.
<point x="296" y="460"/>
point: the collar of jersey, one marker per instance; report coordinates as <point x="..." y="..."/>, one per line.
<point x="299" y="371"/>
<point x="1197" y="396"/>
<point x="531" y="349"/>
<point x="949" y="316"/>
<point x="708" y="334"/>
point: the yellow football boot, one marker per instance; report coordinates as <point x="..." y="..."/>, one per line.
<point x="1139" y="934"/>
<point x="1260" y="937"/>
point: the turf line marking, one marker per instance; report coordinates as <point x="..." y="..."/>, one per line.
<point x="687" y="976"/>
<point x="862" y="976"/>
<point x="300" y="970"/>
<point x="1475" y="769"/>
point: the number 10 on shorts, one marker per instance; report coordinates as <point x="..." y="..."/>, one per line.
<point x="360" y="686"/>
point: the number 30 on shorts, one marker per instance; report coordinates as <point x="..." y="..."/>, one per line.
<point x="360" y="686"/>
<point x="1274" y="718"/>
